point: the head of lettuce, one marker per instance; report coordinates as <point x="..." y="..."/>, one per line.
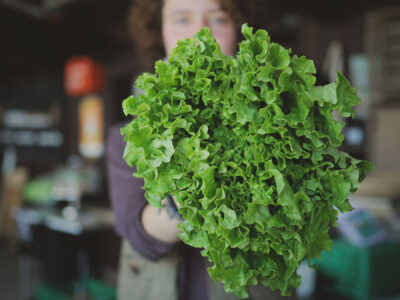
<point x="248" y="146"/>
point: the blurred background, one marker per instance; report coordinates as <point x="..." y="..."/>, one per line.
<point x="66" y="66"/>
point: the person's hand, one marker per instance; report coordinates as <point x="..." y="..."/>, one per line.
<point x="176" y="202"/>
<point x="162" y="223"/>
<point x="171" y="206"/>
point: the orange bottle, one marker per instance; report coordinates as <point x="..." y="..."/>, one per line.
<point x="91" y="127"/>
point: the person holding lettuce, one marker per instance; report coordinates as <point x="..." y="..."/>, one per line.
<point x="154" y="264"/>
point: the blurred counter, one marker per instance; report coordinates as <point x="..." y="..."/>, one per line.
<point x="381" y="184"/>
<point x="68" y="220"/>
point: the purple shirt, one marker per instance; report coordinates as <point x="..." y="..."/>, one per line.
<point x="128" y="201"/>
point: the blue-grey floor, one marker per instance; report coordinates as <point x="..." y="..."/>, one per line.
<point x="8" y="273"/>
<point x="19" y="274"/>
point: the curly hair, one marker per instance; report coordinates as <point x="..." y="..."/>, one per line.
<point x="144" y="22"/>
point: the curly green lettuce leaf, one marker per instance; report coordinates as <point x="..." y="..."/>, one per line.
<point x="248" y="146"/>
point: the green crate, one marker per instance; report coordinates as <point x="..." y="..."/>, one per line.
<point x="45" y="292"/>
<point x="96" y="290"/>
<point x="362" y="273"/>
<point x="100" y="291"/>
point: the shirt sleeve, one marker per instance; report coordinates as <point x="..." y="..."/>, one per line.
<point x="128" y="200"/>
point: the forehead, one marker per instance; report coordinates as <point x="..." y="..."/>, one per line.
<point x="201" y="6"/>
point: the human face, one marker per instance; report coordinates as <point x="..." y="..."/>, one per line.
<point x="183" y="18"/>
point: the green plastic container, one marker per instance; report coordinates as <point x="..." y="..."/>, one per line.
<point x="45" y="292"/>
<point x="362" y="273"/>
<point x="100" y="291"/>
<point x="96" y="290"/>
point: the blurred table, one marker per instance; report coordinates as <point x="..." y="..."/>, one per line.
<point x="89" y="218"/>
<point x="64" y="238"/>
<point x="381" y="184"/>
